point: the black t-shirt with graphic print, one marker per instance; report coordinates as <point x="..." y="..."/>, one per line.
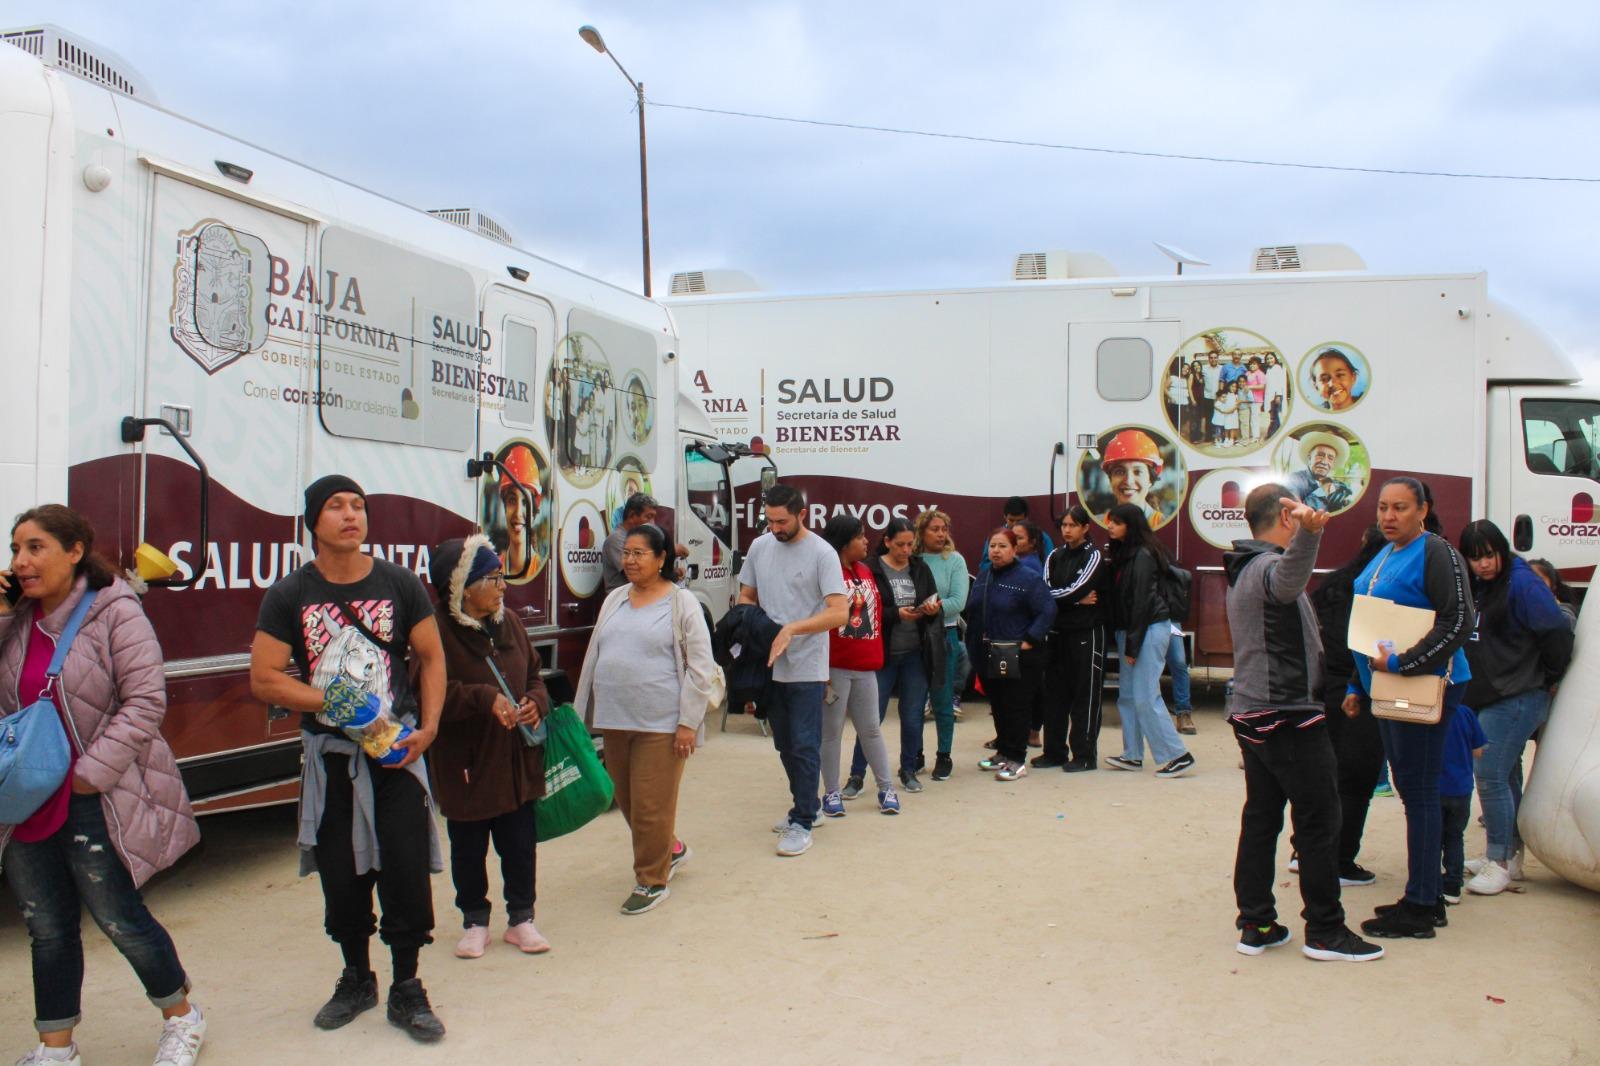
<point x="304" y="611"/>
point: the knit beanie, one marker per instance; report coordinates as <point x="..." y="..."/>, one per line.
<point x="457" y="563"/>
<point x="319" y="491"/>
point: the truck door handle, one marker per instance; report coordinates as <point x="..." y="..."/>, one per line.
<point x="1522" y="533"/>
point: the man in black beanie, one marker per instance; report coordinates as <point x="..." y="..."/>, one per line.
<point x="364" y="824"/>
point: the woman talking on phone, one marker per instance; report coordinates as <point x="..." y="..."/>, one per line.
<point x="121" y="815"/>
<point x="1416" y="569"/>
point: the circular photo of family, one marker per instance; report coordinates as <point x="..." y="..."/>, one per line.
<point x="628" y="478"/>
<point x="1324" y="466"/>
<point x="1335" y="376"/>
<point x="515" y="514"/>
<point x="580" y="409"/>
<point x="1226" y="391"/>
<point x="1137" y="465"/>
<point x="639" y="419"/>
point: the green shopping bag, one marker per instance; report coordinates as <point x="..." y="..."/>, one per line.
<point x="576" y="785"/>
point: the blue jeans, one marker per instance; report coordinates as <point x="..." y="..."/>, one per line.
<point x="903" y="674"/>
<point x="1178" y="666"/>
<point x="53" y="880"/>
<point x="1508" y="724"/>
<point x="1139" y="703"/>
<point x="794" y="711"/>
<point x="944" y="693"/>
<point x="1416" y="755"/>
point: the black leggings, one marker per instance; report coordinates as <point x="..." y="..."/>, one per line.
<point x="1359" y="751"/>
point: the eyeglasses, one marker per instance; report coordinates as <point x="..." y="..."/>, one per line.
<point x="636" y="553"/>
<point x="494" y="580"/>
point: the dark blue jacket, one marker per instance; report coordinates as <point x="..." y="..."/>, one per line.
<point x="740" y="645"/>
<point x="1013" y="603"/>
<point x="1522" y="641"/>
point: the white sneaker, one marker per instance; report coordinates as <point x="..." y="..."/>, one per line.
<point x="473" y="942"/>
<point x="39" y="1057"/>
<point x="180" y="1040"/>
<point x="1514" y="867"/>
<point x="1492" y="880"/>
<point x="1475" y="866"/>
<point x="795" y="841"/>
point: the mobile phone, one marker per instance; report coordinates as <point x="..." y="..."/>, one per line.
<point x="13" y="591"/>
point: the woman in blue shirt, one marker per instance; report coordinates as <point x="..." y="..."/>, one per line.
<point x="1416" y="569"/>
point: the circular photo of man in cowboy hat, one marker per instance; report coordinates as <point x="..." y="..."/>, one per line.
<point x="1137" y="465"/>
<point x="1325" y="466"/>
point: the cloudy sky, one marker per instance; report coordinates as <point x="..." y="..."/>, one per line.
<point x="499" y="105"/>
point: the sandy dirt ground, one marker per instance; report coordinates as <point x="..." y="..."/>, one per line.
<point x="1084" y="917"/>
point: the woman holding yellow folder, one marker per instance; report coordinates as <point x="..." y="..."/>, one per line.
<point x="1416" y="569"/>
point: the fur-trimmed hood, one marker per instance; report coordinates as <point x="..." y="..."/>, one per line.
<point x="450" y="564"/>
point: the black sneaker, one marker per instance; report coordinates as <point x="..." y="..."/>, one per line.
<point x="409" y="1009"/>
<point x="922" y="762"/>
<point x="1177" y="767"/>
<point x="1343" y="946"/>
<point x="355" y="992"/>
<point x="1254" y="939"/>
<point x="1353" y="875"/>
<point x="1117" y="762"/>
<point x="909" y="782"/>
<point x="853" y="787"/>
<point x="1440" y="918"/>
<point x="1077" y="766"/>
<point x="1405" y="919"/>
<point x="942" y="767"/>
<point x="1046" y="762"/>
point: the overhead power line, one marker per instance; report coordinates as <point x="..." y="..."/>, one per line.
<point x="1124" y="151"/>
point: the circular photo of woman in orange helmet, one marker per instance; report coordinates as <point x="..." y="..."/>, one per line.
<point x="1137" y="465"/>
<point x="515" y="510"/>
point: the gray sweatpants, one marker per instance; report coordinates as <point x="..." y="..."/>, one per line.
<point x="855" y="693"/>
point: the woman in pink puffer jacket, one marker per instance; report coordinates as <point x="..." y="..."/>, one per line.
<point x="122" y="813"/>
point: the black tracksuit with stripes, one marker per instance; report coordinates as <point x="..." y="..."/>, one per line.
<point x="1075" y="667"/>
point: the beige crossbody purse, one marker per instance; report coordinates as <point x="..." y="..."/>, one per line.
<point x="1417" y="699"/>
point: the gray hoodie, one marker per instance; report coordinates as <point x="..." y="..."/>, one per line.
<point x="1277" y="647"/>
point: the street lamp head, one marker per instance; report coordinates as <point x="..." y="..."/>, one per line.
<point x="592" y="36"/>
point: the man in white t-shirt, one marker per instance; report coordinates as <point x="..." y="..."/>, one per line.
<point x="795" y="577"/>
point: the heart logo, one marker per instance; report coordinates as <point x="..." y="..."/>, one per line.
<point x="585" y="533"/>
<point x="716" y="552"/>
<point x="1582" y="508"/>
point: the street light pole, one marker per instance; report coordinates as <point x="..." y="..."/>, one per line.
<point x="592" y="37"/>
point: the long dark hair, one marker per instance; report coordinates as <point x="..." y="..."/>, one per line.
<point x="1479" y="539"/>
<point x="1079" y="514"/>
<point x="1138" y="535"/>
<point x="1035" y="536"/>
<point x="660" y="544"/>
<point x="895" y="527"/>
<point x="70" y="529"/>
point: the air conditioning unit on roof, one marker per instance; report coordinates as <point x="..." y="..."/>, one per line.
<point x="56" y="47"/>
<point x="1276" y="257"/>
<point x="476" y="221"/>
<point x="712" y="282"/>
<point x="1059" y="266"/>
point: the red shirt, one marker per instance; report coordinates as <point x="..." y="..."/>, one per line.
<point x="44" y="822"/>
<point x="858" y="644"/>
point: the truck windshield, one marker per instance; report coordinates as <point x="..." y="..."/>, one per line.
<point x="706" y="486"/>
<point x="1562" y="437"/>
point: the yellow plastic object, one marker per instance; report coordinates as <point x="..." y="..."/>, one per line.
<point x="152" y="563"/>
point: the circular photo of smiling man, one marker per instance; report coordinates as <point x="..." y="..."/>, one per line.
<point x="1335" y="377"/>
<point x="1324" y="466"/>
<point x="1137" y="465"/>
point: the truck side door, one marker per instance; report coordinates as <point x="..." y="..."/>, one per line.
<point x="1554" y="478"/>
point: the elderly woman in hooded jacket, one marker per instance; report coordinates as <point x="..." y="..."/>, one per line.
<point x="121" y="815"/>
<point x="487" y="773"/>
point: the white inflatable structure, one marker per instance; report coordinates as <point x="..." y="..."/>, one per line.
<point x="1560" y="815"/>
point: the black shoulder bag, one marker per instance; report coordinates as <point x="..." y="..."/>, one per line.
<point x="1002" y="658"/>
